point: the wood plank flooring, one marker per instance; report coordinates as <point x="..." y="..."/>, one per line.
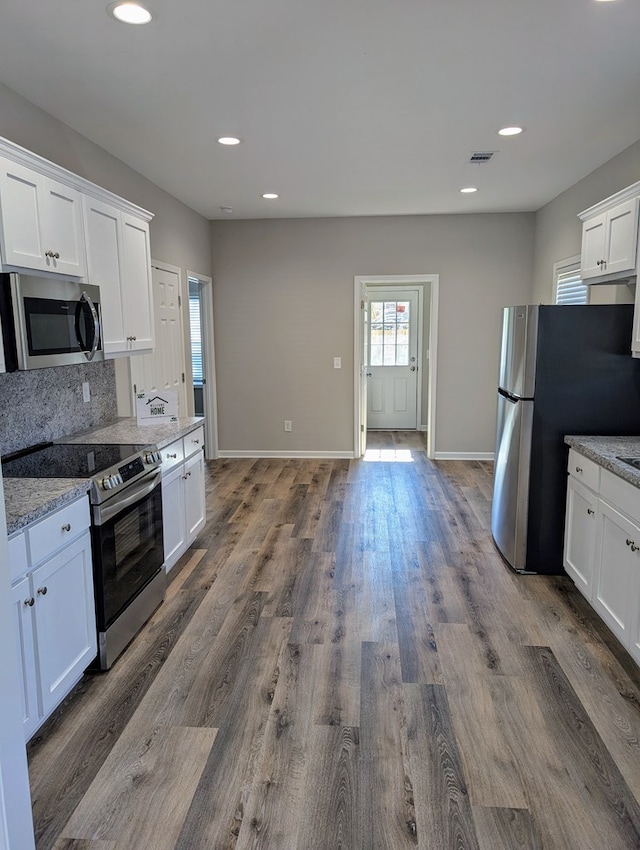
<point x="343" y="662"/>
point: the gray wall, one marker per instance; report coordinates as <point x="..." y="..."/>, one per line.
<point x="178" y="235"/>
<point x="283" y="294"/>
<point x="559" y="230"/>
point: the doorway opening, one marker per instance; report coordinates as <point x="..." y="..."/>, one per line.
<point x="395" y="355"/>
<point x="202" y="350"/>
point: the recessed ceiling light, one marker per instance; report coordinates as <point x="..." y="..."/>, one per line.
<point x="510" y="131"/>
<point x="229" y="140"/>
<point x="468" y="190"/>
<point x="129" y="12"/>
<point x="270" y="196"/>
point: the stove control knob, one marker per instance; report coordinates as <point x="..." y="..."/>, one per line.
<point x="106" y="484"/>
<point x="152" y="457"/>
<point x="118" y="479"/>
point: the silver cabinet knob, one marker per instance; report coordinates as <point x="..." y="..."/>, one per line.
<point x="66" y="527"/>
<point x="42" y="591"/>
<point x="29" y="602"/>
<point x="579" y="470"/>
<point x="590" y="511"/>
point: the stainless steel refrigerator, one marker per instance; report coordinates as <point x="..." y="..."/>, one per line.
<point x="563" y="370"/>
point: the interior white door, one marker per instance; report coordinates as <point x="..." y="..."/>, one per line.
<point x="364" y="372"/>
<point x="164" y="369"/>
<point x="392" y="394"/>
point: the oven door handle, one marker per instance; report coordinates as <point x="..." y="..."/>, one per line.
<point x="102" y="515"/>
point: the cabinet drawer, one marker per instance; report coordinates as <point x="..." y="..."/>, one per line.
<point x="194" y="441"/>
<point x="18" y="564"/>
<point x="620" y="493"/>
<point x="58" y="529"/>
<point x="584" y="470"/>
<point x="172" y="455"/>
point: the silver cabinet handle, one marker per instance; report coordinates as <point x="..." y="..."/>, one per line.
<point x="173" y="456"/>
<point x="579" y="469"/>
<point x="42" y="591"/>
<point x="590" y="511"/>
<point x="197" y="442"/>
<point x="53" y="254"/>
<point x="29" y="602"/>
<point x="66" y="527"/>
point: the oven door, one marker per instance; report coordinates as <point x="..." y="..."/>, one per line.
<point x="127" y="546"/>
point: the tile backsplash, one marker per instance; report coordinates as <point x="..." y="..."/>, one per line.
<point x="44" y="404"/>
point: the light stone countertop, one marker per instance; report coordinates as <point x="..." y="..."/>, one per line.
<point x="30" y="499"/>
<point x="605" y="451"/>
<point x="127" y="430"/>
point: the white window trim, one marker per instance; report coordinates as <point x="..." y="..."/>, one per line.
<point x="564" y="267"/>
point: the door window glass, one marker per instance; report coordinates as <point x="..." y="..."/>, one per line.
<point x="390" y="333"/>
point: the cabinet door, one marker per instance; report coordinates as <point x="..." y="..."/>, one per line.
<point x="22" y="204"/>
<point x="173" y="516"/>
<point x="194" y="495"/>
<point x="580" y="535"/>
<point x="621" y="237"/>
<point x="618" y="562"/>
<point x="65" y="620"/>
<point x="103" y="232"/>
<point x="23" y="603"/>
<point x="137" y="301"/>
<point x="593" y="246"/>
<point x="64" y="248"/>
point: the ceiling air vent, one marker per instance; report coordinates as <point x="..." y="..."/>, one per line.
<point x="478" y="157"/>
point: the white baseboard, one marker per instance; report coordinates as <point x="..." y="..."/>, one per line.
<point x="464" y="456"/>
<point x="239" y="453"/>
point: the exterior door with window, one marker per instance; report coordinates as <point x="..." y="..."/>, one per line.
<point x="392" y="396"/>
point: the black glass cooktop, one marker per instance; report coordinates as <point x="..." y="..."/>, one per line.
<point x="67" y="460"/>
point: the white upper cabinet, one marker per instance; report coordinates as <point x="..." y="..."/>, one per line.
<point x="118" y="261"/>
<point x="137" y="298"/>
<point x="54" y="222"/>
<point x="41" y="222"/>
<point x="610" y="237"/>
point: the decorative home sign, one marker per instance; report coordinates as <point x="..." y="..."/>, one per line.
<point x="158" y="407"/>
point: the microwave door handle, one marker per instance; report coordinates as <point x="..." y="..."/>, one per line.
<point x="96" y="327"/>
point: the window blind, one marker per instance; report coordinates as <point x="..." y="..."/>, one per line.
<point x="196" y="338"/>
<point x="570" y="289"/>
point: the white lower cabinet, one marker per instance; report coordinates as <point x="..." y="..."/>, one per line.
<point x="54" y="611"/>
<point x="602" y="551"/>
<point x="183" y="495"/>
<point x="619" y="566"/>
<point x="580" y="535"/>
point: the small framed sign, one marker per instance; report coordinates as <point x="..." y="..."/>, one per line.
<point x="156" y="408"/>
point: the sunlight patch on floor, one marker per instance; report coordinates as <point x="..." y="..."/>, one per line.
<point x="389" y="455"/>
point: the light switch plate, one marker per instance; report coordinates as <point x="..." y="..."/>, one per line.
<point x="337" y="362"/>
<point x="86" y="392"/>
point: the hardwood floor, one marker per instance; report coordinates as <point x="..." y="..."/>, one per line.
<point x="344" y="661"/>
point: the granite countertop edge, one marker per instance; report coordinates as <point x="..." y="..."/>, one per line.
<point x="126" y="430"/>
<point x="605" y="452"/>
<point x="26" y="501"/>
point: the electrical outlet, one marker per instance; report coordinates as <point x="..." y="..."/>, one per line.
<point x="86" y="392"/>
<point x="337" y="362"/>
<point x="288" y="425"/>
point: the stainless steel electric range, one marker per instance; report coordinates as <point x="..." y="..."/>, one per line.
<point x="126" y="529"/>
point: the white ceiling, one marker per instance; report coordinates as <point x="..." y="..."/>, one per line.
<point x="346" y="107"/>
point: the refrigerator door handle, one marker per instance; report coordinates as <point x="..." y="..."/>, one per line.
<point x="509" y="396"/>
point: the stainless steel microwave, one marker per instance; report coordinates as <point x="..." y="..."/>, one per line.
<point x="48" y="322"/>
